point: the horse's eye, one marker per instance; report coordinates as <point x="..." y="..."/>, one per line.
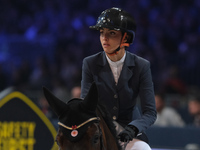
<point x="96" y="139"/>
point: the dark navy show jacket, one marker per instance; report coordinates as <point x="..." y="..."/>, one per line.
<point x="135" y="83"/>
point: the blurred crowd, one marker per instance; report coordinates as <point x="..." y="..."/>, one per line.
<point x="168" y="35"/>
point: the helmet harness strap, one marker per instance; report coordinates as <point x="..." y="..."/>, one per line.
<point x="121" y="45"/>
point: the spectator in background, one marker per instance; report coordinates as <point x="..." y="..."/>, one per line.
<point x="60" y="90"/>
<point x="194" y="109"/>
<point x="173" y="83"/>
<point x="40" y="75"/>
<point x="76" y="91"/>
<point x="192" y="146"/>
<point x="166" y="116"/>
<point x="45" y="108"/>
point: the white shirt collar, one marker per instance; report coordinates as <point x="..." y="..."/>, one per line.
<point x="116" y="63"/>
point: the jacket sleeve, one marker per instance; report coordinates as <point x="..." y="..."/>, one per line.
<point x="147" y="100"/>
<point x="87" y="78"/>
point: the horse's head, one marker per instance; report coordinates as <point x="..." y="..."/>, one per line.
<point x="78" y="122"/>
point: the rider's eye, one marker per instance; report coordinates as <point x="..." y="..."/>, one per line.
<point x="112" y="33"/>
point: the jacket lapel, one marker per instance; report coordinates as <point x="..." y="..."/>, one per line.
<point x="126" y="72"/>
<point x="105" y="72"/>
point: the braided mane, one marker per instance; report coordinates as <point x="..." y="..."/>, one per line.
<point x="101" y="110"/>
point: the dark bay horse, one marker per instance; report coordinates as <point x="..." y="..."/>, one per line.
<point x="83" y="124"/>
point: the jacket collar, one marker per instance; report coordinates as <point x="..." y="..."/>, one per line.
<point x="105" y="73"/>
<point x="129" y="60"/>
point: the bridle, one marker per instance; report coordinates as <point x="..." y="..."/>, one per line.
<point x="74" y="127"/>
<point x="102" y="146"/>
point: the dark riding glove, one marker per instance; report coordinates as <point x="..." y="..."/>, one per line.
<point x="128" y="133"/>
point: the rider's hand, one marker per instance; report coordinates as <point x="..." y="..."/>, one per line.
<point x="128" y="133"/>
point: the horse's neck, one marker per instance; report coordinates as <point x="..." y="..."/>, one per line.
<point x="109" y="140"/>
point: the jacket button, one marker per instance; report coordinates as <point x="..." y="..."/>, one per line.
<point x="115" y="96"/>
<point x="114" y="117"/>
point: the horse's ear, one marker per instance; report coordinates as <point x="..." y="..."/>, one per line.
<point x="91" y="99"/>
<point x="56" y="104"/>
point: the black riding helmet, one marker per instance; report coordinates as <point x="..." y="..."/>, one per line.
<point x="117" y="19"/>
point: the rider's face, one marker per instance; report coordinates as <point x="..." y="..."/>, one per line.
<point x="110" y="39"/>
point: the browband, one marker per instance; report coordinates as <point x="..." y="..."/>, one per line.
<point x="76" y="127"/>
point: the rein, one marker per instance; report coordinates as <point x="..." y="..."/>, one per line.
<point x="102" y="147"/>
